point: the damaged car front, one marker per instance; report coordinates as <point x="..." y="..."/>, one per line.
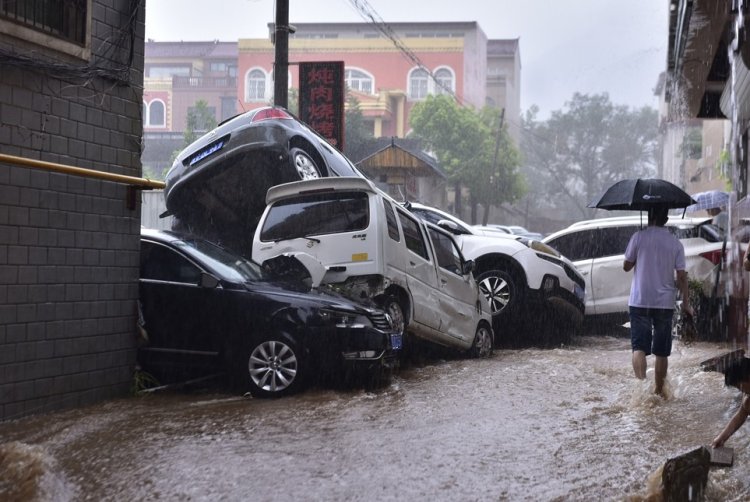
<point x="206" y="307"/>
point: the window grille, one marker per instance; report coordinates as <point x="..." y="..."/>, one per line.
<point x="64" y="19"/>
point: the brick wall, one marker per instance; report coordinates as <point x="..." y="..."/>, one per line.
<point x="69" y="244"/>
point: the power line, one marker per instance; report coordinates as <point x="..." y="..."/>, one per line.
<point x="369" y="14"/>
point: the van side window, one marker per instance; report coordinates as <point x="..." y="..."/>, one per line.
<point x="390" y="218"/>
<point x="446" y="253"/>
<point x="413" y="236"/>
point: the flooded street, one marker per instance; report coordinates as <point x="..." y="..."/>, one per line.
<point x="562" y="424"/>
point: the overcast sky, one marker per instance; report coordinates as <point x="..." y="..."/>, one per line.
<point x="567" y="46"/>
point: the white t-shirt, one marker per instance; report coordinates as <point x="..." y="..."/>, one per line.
<point x="656" y="254"/>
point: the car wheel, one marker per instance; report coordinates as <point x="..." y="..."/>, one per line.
<point x="394" y="309"/>
<point x="483" y="344"/>
<point x="305" y="166"/>
<point x="272" y="367"/>
<point x="500" y="289"/>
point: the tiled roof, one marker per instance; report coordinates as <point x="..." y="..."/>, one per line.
<point x="212" y="49"/>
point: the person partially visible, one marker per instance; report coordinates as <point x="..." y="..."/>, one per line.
<point x="655" y="254"/>
<point x="719" y="217"/>
<point x="736" y="375"/>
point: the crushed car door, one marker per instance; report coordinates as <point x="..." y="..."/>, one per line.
<point x="420" y="272"/>
<point x="458" y="296"/>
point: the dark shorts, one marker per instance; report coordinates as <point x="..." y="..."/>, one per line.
<point x="651" y="330"/>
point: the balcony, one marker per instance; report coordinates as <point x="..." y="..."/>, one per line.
<point x="204" y="82"/>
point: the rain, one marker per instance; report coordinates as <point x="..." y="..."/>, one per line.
<point x="362" y="405"/>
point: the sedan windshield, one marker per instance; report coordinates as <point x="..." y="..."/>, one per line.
<point x="221" y="261"/>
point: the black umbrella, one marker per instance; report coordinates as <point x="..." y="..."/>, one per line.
<point x="641" y="194"/>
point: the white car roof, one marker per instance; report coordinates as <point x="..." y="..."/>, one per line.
<point x="634" y="220"/>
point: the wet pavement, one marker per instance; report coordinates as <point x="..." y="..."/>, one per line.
<point x="557" y="424"/>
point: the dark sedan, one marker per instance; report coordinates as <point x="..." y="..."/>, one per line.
<point x="217" y="185"/>
<point x="205" y="307"/>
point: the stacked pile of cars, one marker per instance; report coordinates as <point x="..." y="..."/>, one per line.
<point x="328" y="276"/>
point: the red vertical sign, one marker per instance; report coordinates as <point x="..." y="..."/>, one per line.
<point x="321" y="99"/>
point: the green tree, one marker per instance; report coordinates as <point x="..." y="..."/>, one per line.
<point x="464" y="142"/>
<point x="200" y="119"/>
<point x="584" y="148"/>
<point x="358" y="135"/>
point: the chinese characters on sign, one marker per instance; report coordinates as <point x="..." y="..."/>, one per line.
<point x="321" y="99"/>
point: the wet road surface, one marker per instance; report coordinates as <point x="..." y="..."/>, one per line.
<point x="561" y="424"/>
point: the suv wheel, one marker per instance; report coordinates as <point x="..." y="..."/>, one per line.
<point x="483" y="344"/>
<point x="305" y="166"/>
<point x="500" y="289"/>
<point x="272" y="367"/>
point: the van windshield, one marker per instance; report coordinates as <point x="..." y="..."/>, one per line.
<point x="316" y="214"/>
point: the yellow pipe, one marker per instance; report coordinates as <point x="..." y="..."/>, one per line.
<point x="80" y="171"/>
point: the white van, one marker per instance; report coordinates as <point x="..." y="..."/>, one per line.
<point x="351" y="235"/>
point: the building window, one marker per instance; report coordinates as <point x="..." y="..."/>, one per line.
<point x="64" y="19"/>
<point x="59" y="25"/>
<point x="358" y="80"/>
<point x="421" y="83"/>
<point x="444" y="81"/>
<point x="157" y="113"/>
<point x="154" y="114"/>
<point x="156" y="71"/>
<point x="255" y="85"/>
<point x="418" y="83"/>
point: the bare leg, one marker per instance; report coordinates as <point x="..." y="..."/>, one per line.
<point x="660" y="372"/>
<point x="639" y="364"/>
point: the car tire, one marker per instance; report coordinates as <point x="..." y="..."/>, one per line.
<point x="501" y="290"/>
<point x="483" y="342"/>
<point x="271" y="367"/>
<point x="304" y="165"/>
<point x="395" y="309"/>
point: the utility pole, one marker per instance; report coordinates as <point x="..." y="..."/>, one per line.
<point x="281" y="64"/>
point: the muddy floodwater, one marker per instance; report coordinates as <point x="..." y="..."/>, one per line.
<point x="561" y="424"/>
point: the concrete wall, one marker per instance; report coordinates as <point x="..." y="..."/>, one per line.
<point x="68" y="244"/>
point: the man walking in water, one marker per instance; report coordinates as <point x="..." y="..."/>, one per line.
<point x="655" y="254"/>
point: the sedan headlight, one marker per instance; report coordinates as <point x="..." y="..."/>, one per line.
<point x="345" y="319"/>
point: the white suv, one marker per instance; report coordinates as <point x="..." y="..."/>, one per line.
<point x="597" y="248"/>
<point x="352" y="236"/>
<point x="524" y="279"/>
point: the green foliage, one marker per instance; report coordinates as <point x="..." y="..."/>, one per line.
<point x="583" y="149"/>
<point x="473" y="148"/>
<point x="358" y="133"/>
<point x="200" y="119"/>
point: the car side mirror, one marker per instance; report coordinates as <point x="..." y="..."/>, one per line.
<point x="208" y="281"/>
<point x="467" y="267"/>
